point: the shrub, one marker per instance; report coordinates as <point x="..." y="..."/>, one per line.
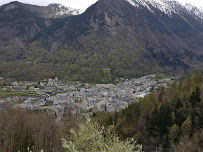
<point x="91" y="137"/>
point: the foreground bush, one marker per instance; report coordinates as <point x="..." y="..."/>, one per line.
<point x="91" y="137"/>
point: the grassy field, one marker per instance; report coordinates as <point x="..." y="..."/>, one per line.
<point x="19" y="102"/>
<point x="6" y="94"/>
<point x="163" y="76"/>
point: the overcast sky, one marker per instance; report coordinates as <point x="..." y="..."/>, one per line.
<point x="83" y="4"/>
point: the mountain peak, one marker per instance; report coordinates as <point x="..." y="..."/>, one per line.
<point x="63" y="10"/>
<point x="189" y="5"/>
<point x="54" y="10"/>
<point x="15" y="2"/>
<point x="55" y="4"/>
<point x="195" y="11"/>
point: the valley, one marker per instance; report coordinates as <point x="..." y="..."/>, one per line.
<point x="121" y="71"/>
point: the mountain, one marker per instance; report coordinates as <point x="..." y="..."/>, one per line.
<point x="20" y="22"/>
<point x="115" y="38"/>
<point x="51" y="11"/>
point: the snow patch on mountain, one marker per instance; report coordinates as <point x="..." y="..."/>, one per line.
<point x="168" y="7"/>
<point x="197" y="11"/>
<point x="133" y="3"/>
<point x="62" y="10"/>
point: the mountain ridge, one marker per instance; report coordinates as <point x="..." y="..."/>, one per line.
<point x="168" y="6"/>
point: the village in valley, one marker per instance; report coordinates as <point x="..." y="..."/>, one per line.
<point x="76" y="98"/>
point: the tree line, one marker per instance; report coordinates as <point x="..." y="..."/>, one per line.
<point x="20" y="129"/>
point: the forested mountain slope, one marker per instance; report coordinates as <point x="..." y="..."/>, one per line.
<point x="172" y="117"/>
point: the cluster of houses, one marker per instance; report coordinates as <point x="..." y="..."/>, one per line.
<point x="1" y="78"/>
<point x="59" y="98"/>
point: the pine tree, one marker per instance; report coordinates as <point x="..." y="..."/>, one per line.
<point x="174" y="133"/>
<point x="186" y="127"/>
<point x="195" y="97"/>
